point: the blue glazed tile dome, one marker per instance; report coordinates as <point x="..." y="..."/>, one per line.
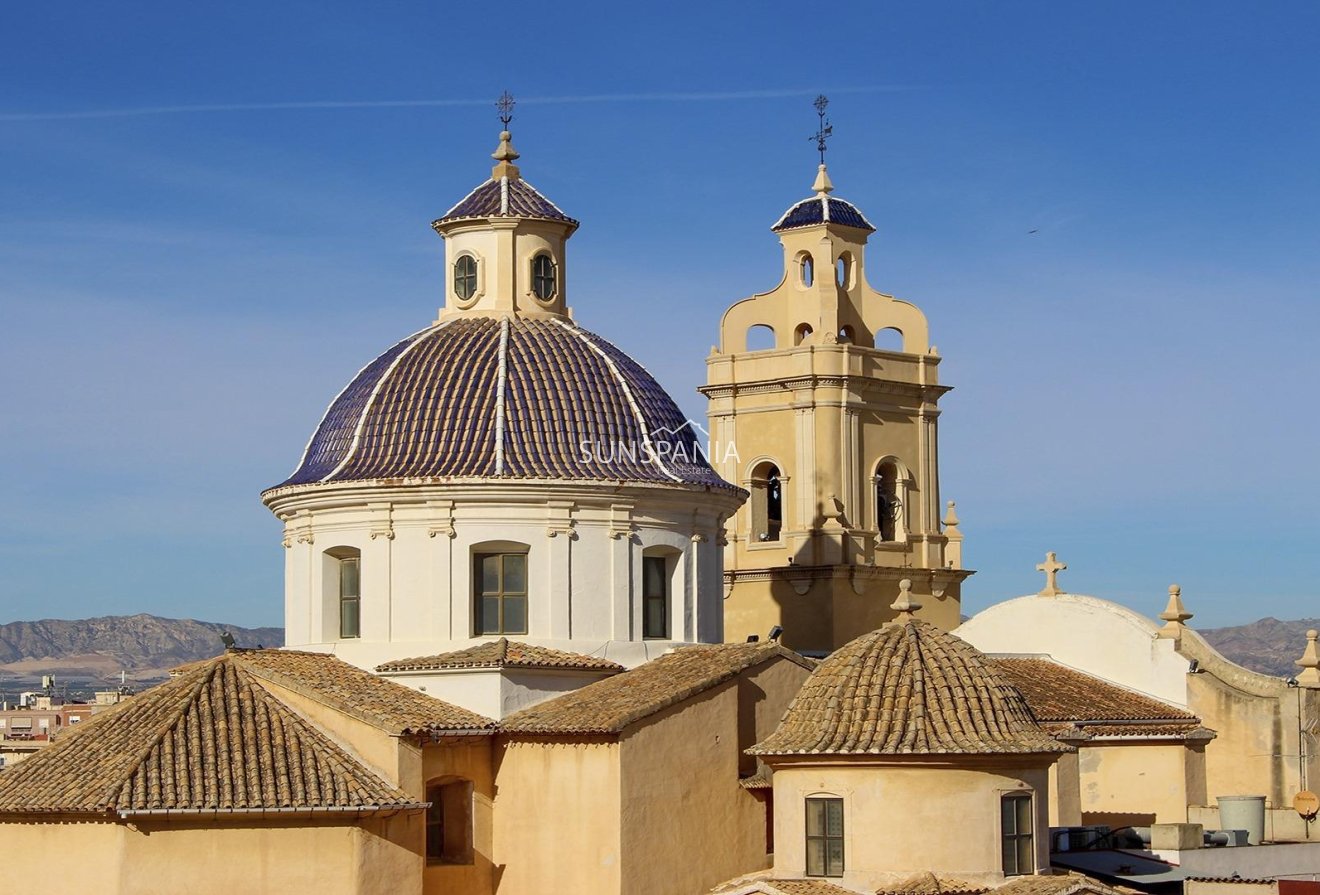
<point x="504" y="398"/>
<point x="822" y="209"/>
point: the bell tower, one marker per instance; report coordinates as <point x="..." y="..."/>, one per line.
<point x="823" y="403"/>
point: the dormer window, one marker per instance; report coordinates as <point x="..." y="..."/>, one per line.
<point x="465" y="277"/>
<point x="543" y="277"/>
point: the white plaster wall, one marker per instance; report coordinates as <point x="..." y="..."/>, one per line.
<point x="584" y="544"/>
<point x="1086" y="633"/>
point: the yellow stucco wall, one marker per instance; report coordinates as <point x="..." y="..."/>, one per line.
<point x="686" y="823"/>
<point x="377" y="857"/>
<point x="557" y="817"/>
<point x="904" y="819"/>
<point x="1137" y="784"/>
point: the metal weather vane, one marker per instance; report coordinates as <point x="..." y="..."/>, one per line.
<point x="505" y="104"/>
<point x="825" y="130"/>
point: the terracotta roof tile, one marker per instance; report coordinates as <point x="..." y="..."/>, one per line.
<point x="907" y="688"/>
<point x="608" y="706"/>
<point x="392" y="707"/>
<point x="1058" y="693"/>
<point x="759" y="884"/>
<point x="503" y="653"/>
<point x="1055" y="884"/>
<point x="929" y="884"/>
<point x="211" y="739"/>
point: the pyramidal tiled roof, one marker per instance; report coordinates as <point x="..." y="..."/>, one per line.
<point x="822" y="210"/>
<point x="503" y="653"/>
<point x="907" y="688"/>
<point x="506" y="196"/>
<point x="505" y="398"/>
<point x="213" y="738"/>
<point x="609" y="706"/>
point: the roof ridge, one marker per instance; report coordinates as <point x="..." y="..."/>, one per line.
<point x="203" y="677"/>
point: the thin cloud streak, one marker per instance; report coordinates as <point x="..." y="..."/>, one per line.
<point x="712" y="96"/>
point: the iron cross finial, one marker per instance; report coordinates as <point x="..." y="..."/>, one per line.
<point x="505" y="104"/>
<point x="825" y="129"/>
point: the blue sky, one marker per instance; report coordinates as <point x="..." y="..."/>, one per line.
<point x="212" y="215"/>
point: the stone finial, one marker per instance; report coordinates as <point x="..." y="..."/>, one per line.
<point x="954" y="538"/>
<point x="504" y="156"/>
<point x="823" y="186"/>
<point x="1309" y="663"/>
<point x="1175" y="612"/>
<point x="906" y="604"/>
<point x="1051" y="567"/>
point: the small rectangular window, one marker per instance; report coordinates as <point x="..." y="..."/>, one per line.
<point x="1016" y="825"/>
<point x="655" y="598"/>
<point x="501" y="598"/>
<point x="824" y="837"/>
<point x="350" y="597"/>
<point x="449" y="823"/>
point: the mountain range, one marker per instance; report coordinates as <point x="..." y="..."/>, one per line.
<point x="94" y="651"/>
<point x="1270" y="646"/>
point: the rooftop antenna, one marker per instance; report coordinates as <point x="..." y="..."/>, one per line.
<point x="825" y="130"/>
<point x="505" y="104"/>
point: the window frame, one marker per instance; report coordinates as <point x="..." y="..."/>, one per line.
<point x="345" y="599"/>
<point x="471" y="277"/>
<point x="648" y="598"/>
<point x="501" y="596"/>
<point x="539" y="277"/>
<point x="1011" y="841"/>
<point x="824" y="870"/>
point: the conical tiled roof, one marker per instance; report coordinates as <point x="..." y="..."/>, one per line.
<point x="908" y="688"/>
<point x="480" y="397"/>
<point x="822" y="209"/>
<point x="506" y="197"/>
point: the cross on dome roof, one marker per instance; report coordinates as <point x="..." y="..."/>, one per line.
<point x="1051" y="567"/>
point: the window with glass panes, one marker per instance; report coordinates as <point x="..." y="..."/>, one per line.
<point x="824" y="837"/>
<point x="350" y="597"/>
<point x="465" y="277"/>
<point x="1016" y="826"/>
<point x="543" y="277"/>
<point x="655" y="597"/>
<point x="501" y="585"/>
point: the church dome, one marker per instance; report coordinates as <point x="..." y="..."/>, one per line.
<point x="909" y="688"/>
<point x="504" y="398"/>
<point x="822" y="209"/>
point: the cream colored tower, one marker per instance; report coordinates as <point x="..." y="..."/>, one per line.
<point x="836" y="439"/>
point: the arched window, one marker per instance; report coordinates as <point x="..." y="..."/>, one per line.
<point x="500" y="585"/>
<point x="1016" y="829"/>
<point x="543" y="277"/>
<point x="465" y="277"/>
<point x="449" y="822"/>
<point x="802" y="333"/>
<point x="846" y="335"/>
<point x="890" y="494"/>
<point x="806" y="269"/>
<point x="824" y="837"/>
<point x="843" y="271"/>
<point x="889" y="339"/>
<point x="343" y="587"/>
<point x="760" y="337"/>
<point x="767" y="503"/>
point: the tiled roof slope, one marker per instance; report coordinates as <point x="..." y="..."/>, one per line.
<point x="211" y="739"/>
<point x="930" y="884"/>
<point x="609" y="706"/>
<point x="506" y="197"/>
<point x="907" y="688"/>
<point x="822" y="210"/>
<point x="503" y="653"/>
<point x="1056" y="884"/>
<point x="1058" y="693"/>
<point x="510" y="398"/>
<point x="394" y="708"/>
